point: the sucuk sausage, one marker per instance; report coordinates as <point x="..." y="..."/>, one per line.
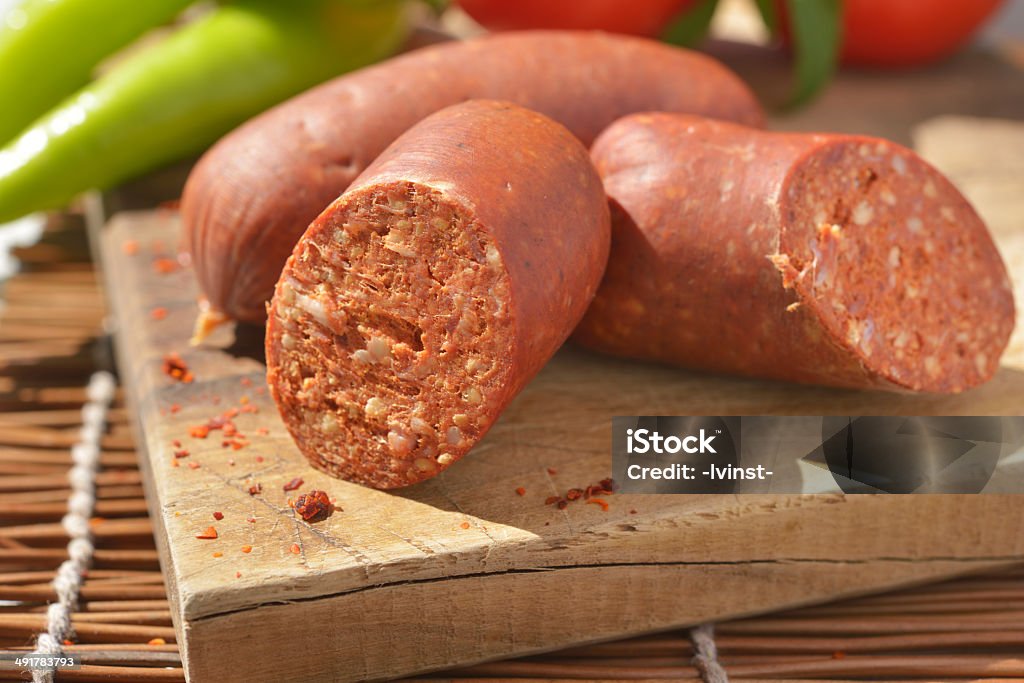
<point x="419" y="303"/>
<point x="827" y="259"/>
<point x="253" y="194"/>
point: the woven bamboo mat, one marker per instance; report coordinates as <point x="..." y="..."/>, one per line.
<point x="51" y="341"/>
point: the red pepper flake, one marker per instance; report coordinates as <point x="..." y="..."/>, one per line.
<point x="314" y="506"/>
<point x="229" y="429"/>
<point x="238" y="575"/>
<point x="175" y="368"/>
<point x="68" y="641"/>
<point x="174" y="463"/>
<point x="176" y="443"/>
<point x="193" y="465"/>
<point x="251" y="520"/>
<point x="218" y="516"/>
<point x="552" y="471"/>
<point x="598" y="501"/>
<point x="632" y="512"/>
<point x="262" y="431"/>
<point x="181" y="453"/>
<point x="295" y="549"/>
<point x="603" y="488"/>
<point x="199" y="431"/>
<point x="246" y="549"/>
<point x="218" y="554"/>
<point x="230" y="413"/>
<point x="261" y="390"/>
<point x="520" y="491"/>
<point x="255" y="488"/>
<point x="464" y="525"/>
<point x="165" y="266"/>
<point x="158" y="313"/>
<point x="96" y="521"/>
<point x="157" y="641"/>
<point x="293" y="485"/>
<point x="259" y="458"/>
<point x="175" y="408"/>
<point x="243" y="400"/>
<point x="246" y="382"/>
<point x="210" y="533"/>
<point x="250" y="409"/>
<point x="130" y="247"/>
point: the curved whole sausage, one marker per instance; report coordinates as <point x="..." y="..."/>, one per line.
<point x="421" y="301"/>
<point x="829" y="259"/>
<point x="253" y="194"/>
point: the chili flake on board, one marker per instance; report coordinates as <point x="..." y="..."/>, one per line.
<point x="176" y="368"/>
<point x="605" y="487"/>
<point x="165" y="266"/>
<point x="314" y="506"/>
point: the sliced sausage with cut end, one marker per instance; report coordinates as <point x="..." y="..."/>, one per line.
<point x="250" y="198"/>
<point x="827" y="259"/>
<point x="419" y="303"/>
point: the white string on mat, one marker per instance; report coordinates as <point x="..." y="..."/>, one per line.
<point x="705" y="656"/>
<point x="85" y="456"/>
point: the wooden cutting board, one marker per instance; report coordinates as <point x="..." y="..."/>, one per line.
<point x="462" y="568"/>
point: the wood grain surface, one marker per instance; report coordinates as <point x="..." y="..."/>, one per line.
<point x="462" y="568"/>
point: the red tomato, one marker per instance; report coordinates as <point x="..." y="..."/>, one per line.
<point x="909" y="32"/>
<point x="641" y="18"/>
<point x="902" y="33"/>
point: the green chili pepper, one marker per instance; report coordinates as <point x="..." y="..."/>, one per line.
<point x="49" y="48"/>
<point x="175" y="98"/>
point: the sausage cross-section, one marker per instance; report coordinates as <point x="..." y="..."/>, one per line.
<point x="827" y="259"/>
<point x="254" y="193"/>
<point x="419" y="303"/>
